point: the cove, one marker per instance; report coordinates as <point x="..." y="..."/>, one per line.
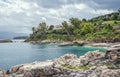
<point x="12" y="54"/>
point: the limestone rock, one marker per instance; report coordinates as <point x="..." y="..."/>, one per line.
<point x="68" y="59"/>
<point x="90" y="56"/>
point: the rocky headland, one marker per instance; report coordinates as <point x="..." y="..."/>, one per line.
<point x="92" y="64"/>
<point x="5" y="40"/>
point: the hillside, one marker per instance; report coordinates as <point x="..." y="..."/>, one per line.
<point x="115" y="16"/>
<point x="105" y="26"/>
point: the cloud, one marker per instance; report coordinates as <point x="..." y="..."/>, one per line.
<point x="21" y="15"/>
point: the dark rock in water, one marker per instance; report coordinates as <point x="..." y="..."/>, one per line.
<point x="113" y="54"/>
<point x="5" y="40"/>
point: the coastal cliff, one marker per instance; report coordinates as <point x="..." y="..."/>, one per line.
<point x="92" y="64"/>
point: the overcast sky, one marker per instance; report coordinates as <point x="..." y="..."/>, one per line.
<point x="21" y="15"/>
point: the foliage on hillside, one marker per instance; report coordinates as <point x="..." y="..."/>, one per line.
<point x="76" y="29"/>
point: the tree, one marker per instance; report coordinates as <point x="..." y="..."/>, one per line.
<point x="42" y="30"/>
<point x="107" y="28"/>
<point x="75" y="22"/>
<point x="33" y="30"/>
<point x="65" y="25"/>
<point x="51" y="27"/>
<point x="87" y="28"/>
<point x="84" y="20"/>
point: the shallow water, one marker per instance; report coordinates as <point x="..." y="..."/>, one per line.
<point x="18" y="52"/>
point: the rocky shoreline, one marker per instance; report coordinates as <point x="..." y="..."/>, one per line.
<point x="92" y="64"/>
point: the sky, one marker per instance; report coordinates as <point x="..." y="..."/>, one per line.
<point x="19" y="16"/>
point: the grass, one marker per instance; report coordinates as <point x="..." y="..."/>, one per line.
<point x="76" y="67"/>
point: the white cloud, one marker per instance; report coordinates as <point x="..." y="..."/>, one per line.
<point x="43" y="19"/>
<point x="17" y="6"/>
<point x="21" y="15"/>
<point x="101" y="11"/>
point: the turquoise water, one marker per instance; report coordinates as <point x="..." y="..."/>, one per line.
<point x="18" y="53"/>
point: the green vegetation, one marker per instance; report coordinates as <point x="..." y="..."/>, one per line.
<point x="107" y="26"/>
<point x="76" y="67"/>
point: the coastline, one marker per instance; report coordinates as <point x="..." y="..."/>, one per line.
<point x="60" y="67"/>
<point x="92" y="64"/>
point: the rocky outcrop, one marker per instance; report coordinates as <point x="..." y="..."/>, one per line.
<point x="92" y="64"/>
<point x="113" y="53"/>
<point x="5" y="40"/>
<point x="74" y="43"/>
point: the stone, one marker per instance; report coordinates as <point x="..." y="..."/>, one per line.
<point x="2" y="73"/>
<point x="90" y="56"/>
<point x="67" y="59"/>
<point x="113" y="54"/>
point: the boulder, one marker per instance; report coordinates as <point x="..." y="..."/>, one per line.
<point x="67" y="59"/>
<point x="79" y="43"/>
<point x="103" y="71"/>
<point x="2" y="73"/>
<point x="66" y="44"/>
<point x="29" y="70"/>
<point x="90" y="56"/>
<point x="113" y="54"/>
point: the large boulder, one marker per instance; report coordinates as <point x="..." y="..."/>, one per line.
<point x="32" y="69"/>
<point x="90" y="56"/>
<point x="67" y="59"/>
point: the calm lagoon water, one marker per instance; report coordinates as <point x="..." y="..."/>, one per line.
<point x="18" y="52"/>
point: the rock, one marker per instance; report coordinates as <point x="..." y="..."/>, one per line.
<point x="78" y="43"/>
<point x="2" y="73"/>
<point x="99" y="66"/>
<point x="90" y="56"/>
<point x="74" y="43"/>
<point x="103" y="71"/>
<point x="113" y="53"/>
<point x="67" y="59"/>
<point x="31" y="69"/>
<point x="5" y="40"/>
<point x="106" y="40"/>
<point x="66" y="44"/>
